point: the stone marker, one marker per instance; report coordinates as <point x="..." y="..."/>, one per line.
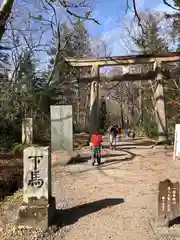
<point x="168" y="201"/>
<point x="61" y="127"/>
<point x="27" y="130"/>
<point x="38" y="205"/>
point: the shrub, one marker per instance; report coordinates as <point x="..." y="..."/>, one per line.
<point x="19" y="147"/>
<point x="148" y="127"/>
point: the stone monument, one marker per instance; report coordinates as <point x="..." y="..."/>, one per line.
<point x="38" y="205"/>
<point x="168" y="201"/>
<point x="61" y="127"/>
<point x="27" y="130"/>
<point x="167" y="222"/>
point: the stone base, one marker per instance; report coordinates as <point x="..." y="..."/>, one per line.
<point x="161" y="228"/>
<point x="37" y="213"/>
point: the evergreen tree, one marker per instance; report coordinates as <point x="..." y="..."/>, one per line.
<point x="80" y="40"/>
<point x="74" y="43"/>
<point x="4" y="61"/>
<point x="175" y="17"/>
<point x="26" y="73"/>
<point x="150" y="40"/>
<point x="25" y="86"/>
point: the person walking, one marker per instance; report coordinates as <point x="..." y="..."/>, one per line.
<point x="127" y="132"/>
<point x="132" y="133"/>
<point x="113" y="131"/>
<point x="95" y="144"/>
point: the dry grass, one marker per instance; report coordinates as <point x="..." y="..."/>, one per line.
<point x="80" y="140"/>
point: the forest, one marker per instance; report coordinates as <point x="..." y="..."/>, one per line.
<point x="34" y="39"/>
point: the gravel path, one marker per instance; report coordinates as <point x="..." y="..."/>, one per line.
<point x="114" y="201"/>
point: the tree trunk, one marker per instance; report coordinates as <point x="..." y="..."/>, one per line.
<point x="5" y="11"/>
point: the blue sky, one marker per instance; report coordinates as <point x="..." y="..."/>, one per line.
<point x="110" y="14"/>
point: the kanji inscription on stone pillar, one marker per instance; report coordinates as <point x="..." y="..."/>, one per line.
<point x="168" y="200"/>
<point x="37" y="173"/>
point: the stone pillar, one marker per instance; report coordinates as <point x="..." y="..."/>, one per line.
<point x="160" y="105"/>
<point x="141" y="105"/>
<point x="38" y="205"/>
<point x="102" y="113"/>
<point x="94" y="102"/>
<point x="27" y="130"/>
<point x="62" y="127"/>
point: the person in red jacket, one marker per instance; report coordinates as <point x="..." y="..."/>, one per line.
<point x="96" y="140"/>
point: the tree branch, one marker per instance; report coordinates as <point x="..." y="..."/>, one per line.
<point x="67" y="7"/>
<point x="169" y="5"/>
<point x="137" y="15"/>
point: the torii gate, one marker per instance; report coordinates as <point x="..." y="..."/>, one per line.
<point x="157" y="74"/>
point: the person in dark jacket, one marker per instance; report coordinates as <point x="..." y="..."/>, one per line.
<point x="113" y="131"/>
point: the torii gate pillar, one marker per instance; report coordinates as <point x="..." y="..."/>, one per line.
<point x="160" y="106"/>
<point x="94" y="102"/>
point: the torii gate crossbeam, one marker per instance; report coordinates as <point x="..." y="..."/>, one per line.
<point x="157" y="61"/>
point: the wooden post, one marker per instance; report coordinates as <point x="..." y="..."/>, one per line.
<point x="160" y="106"/>
<point x="94" y="102"/>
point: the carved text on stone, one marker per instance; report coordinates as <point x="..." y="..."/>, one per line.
<point x="35" y="180"/>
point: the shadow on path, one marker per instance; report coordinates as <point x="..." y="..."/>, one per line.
<point x="134" y="143"/>
<point x="175" y="221"/>
<point x="109" y="159"/>
<point x="126" y="158"/>
<point x="131" y="158"/>
<point x="108" y="165"/>
<point x="86" y="157"/>
<point x="70" y="216"/>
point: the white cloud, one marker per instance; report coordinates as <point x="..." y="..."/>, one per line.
<point x="117" y="40"/>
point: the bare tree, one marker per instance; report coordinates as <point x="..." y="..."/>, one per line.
<point x="70" y="8"/>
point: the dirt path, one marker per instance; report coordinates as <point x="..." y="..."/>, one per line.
<point x="127" y="191"/>
<point x="114" y="201"/>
